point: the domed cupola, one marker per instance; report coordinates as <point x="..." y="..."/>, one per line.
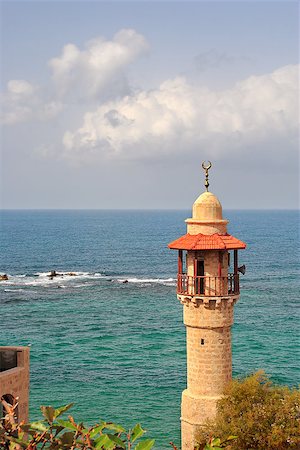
<point x="207" y="217"/>
<point x="207" y="207"/>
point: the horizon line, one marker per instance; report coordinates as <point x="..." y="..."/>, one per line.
<point x="143" y="209"/>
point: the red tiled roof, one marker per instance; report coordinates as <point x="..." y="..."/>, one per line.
<point x="204" y="242"/>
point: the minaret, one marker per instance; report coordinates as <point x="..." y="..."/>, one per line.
<point x="208" y="291"/>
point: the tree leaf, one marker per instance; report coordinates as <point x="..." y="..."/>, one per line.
<point x="114" y="427"/>
<point x="66" y="424"/>
<point x="117" y="440"/>
<point x="62" y="409"/>
<point x="26" y="429"/>
<point x="230" y="438"/>
<point x="94" y="431"/>
<point x="67" y="438"/>
<point x="147" y="444"/>
<point x="104" y="442"/>
<point x="48" y="413"/>
<point x="136" y="432"/>
<point x="100" y="441"/>
<point x="38" y="426"/>
<point x="85" y="431"/>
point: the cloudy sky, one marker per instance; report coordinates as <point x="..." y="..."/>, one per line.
<point x="116" y="104"/>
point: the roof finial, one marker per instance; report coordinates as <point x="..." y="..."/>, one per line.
<point x="206" y="168"/>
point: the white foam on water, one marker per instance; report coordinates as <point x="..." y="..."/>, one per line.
<point x="147" y="280"/>
<point x="80" y="285"/>
<point x="67" y="275"/>
<point x="44" y="279"/>
<point x="14" y="290"/>
<point x="23" y="280"/>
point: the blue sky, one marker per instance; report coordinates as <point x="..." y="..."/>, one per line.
<point x="116" y="104"/>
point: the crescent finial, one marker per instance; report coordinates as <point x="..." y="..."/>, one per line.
<point x="206" y="167"/>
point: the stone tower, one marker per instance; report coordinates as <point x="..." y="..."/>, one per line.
<point x="208" y="291"/>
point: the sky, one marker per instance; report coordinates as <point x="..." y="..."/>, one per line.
<point x="114" y="105"/>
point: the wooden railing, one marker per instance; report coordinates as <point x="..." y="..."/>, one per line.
<point x="208" y="286"/>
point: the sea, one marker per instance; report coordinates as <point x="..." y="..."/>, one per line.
<point x="115" y="349"/>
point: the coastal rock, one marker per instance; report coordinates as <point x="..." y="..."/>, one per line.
<point x="53" y="274"/>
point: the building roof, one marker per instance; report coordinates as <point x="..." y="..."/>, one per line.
<point x="204" y="242"/>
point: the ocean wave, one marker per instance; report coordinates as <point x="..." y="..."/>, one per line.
<point x="64" y="279"/>
<point x="17" y="280"/>
<point x="80" y="285"/>
<point x="164" y="281"/>
<point x="44" y="278"/>
<point x="14" y="290"/>
<point x="70" y="274"/>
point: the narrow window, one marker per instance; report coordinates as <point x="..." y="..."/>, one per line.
<point x="202" y="341"/>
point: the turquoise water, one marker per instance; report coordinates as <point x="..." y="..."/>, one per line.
<point x="118" y="349"/>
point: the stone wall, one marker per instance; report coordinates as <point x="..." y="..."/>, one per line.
<point x="208" y="360"/>
<point x="15" y="382"/>
<point x="208" y="321"/>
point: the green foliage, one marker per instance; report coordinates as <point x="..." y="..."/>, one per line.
<point x="252" y="415"/>
<point x="218" y="444"/>
<point x="52" y="433"/>
<point x="261" y="415"/>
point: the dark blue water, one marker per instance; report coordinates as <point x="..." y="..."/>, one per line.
<point x="118" y="349"/>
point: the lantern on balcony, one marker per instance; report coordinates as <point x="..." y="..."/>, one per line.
<point x="208" y="289"/>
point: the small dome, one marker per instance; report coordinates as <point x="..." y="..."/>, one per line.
<point x="207" y="207"/>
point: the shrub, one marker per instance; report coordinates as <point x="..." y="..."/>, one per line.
<point x="52" y="433"/>
<point x="261" y="415"/>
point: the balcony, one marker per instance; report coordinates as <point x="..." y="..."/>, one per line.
<point x="208" y="286"/>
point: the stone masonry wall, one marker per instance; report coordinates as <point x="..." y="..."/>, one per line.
<point x="15" y="381"/>
<point x="208" y="360"/>
<point x="208" y="320"/>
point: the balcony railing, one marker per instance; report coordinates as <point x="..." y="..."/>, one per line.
<point x="208" y="286"/>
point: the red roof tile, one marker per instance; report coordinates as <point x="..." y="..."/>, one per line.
<point x="204" y="242"/>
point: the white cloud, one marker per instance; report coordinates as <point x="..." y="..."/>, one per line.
<point x="100" y="66"/>
<point x="23" y="101"/>
<point x="98" y="71"/>
<point x="175" y="120"/>
<point x="178" y="118"/>
<point x="18" y="101"/>
<point x="20" y="88"/>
